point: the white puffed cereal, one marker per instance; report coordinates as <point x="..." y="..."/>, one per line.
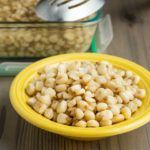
<point x="77" y="98"/>
<point x="82" y="104"/>
<point x="125" y="97"/>
<point x="39" y="107"/>
<point x="133" y="106"/>
<point x="106" y="115"/>
<point x="80" y="123"/>
<point x="62" y="79"/>
<point x="74" y="75"/>
<point x="69" y="35"/>
<point x="92" y="86"/>
<point x="49" y="69"/>
<point x="72" y="103"/>
<point x="119" y="99"/>
<point x="92" y="123"/>
<point x="109" y="92"/>
<point x="89" y="115"/>
<point x="140" y="93"/>
<point x="67" y="95"/>
<point x="126" y="112"/>
<point x="79" y="113"/>
<point x="130" y="94"/>
<point x="120" y="105"/>
<point x="45" y="99"/>
<point x="101" y="94"/>
<point x="102" y="69"/>
<point x="86" y="78"/>
<point x="119" y="81"/>
<point x="114" y="86"/>
<point x="98" y="116"/>
<point x="49" y="91"/>
<point x="101" y="80"/>
<point x="89" y="65"/>
<point x="128" y="82"/>
<point x="93" y="73"/>
<point x="83" y="93"/>
<point x="113" y="73"/>
<point x="136" y="79"/>
<point x="69" y="81"/>
<point x="89" y="94"/>
<point x="31" y="89"/>
<point x="118" y="118"/>
<point x="101" y="106"/>
<point x="50" y="82"/>
<point x="137" y="102"/>
<point x="90" y="99"/>
<point x="111" y="100"/>
<point x="77" y="89"/>
<point x="62" y="68"/>
<point x="129" y="74"/>
<point x="61" y="87"/>
<point x="106" y="63"/>
<point x="38" y="95"/>
<point x="82" y="71"/>
<point x="105" y="123"/>
<point x="73" y="66"/>
<point x="60" y="95"/>
<point x="132" y="88"/>
<point x="91" y="106"/>
<point x="31" y="101"/>
<point x="50" y="75"/>
<point x="54" y="104"/>
<point x="62" y="107"/>
<point x="49" y="113"/>
<point x="53" y="38"/>
<point x="76" y="82"/>
<point x="120" y="73"/>
<point x="115" y="109"/>
<point x="63" y="118"/>
<point x="107" y="76"/>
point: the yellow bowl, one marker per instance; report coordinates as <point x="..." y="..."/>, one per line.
<point x="18" y="99"/>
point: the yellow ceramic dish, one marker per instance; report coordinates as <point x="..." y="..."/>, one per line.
<point x="18" y="99"/>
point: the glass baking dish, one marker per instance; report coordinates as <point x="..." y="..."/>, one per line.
<point x="10" y="66"/>
<point x="45" y="39"/>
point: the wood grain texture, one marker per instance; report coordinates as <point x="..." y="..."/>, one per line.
<point x="131" y="23"/>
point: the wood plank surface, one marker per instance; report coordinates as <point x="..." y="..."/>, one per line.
<point x="131" y="24"/>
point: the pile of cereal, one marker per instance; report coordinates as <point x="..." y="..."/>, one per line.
<point x="44" y="41"/>
<point x="18" y="10"/>
<point x="85" y="94"/>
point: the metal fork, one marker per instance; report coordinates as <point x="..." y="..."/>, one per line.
<point x="67" y="10"/>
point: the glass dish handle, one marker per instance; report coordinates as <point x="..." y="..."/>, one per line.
<point x="104" y="34"/>
<point x="12" y="68"/>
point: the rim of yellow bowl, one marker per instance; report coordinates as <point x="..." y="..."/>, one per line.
<point x="18" y="97"/>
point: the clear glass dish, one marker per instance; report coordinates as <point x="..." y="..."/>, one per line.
<point x="41" y="39"/>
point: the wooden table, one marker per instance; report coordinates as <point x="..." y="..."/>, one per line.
<point x="132" y="41"/>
